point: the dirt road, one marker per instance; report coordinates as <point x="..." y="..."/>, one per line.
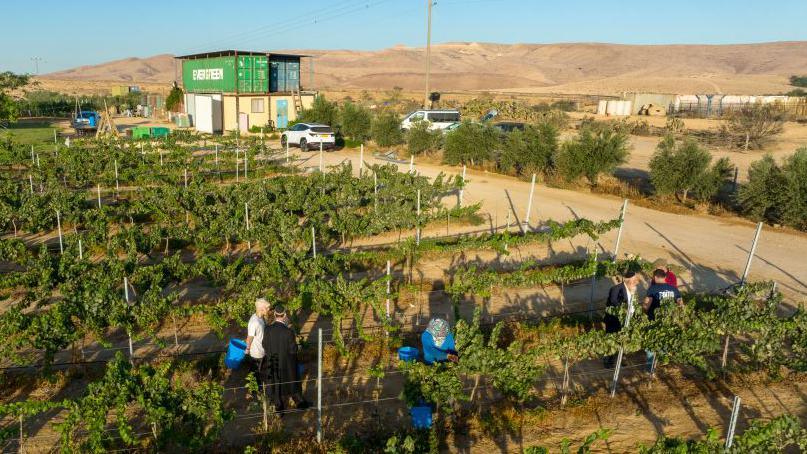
<point x="713" y="249"/>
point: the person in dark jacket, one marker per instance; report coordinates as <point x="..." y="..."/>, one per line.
<point x="280" y="362"/>
<point x="619" y="296"/>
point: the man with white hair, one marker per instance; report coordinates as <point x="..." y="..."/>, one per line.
<point x="255" y="328"/>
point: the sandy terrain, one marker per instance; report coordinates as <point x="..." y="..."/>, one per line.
<point x="547" y="68"/>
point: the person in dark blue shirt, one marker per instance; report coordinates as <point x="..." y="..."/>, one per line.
<point x="660" y="291"/>
<point x="438" y="342"/>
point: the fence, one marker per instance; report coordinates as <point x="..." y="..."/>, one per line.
<point x="794" y="107"/>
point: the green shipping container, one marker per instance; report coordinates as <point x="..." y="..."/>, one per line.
<point x="244" y="74"/>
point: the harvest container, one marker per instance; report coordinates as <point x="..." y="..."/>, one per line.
<point x="408" y="354"/>
<point x="421" y="417"/>
<point x="235" y="353"/>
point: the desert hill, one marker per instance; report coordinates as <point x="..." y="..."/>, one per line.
<point x="570" y="68"/>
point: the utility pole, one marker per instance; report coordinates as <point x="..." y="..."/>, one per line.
<point x="36" y="61"/>
<point x="429" y="4"/>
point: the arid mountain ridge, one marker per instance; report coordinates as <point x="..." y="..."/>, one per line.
<point x="573" y="68"/>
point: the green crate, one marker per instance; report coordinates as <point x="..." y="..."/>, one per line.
<point x="160" y="132"/>
<point x="141" y="132"/>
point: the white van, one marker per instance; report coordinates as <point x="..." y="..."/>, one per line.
<point x="438" y="119"/>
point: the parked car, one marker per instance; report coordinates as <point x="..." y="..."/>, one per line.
<point x="437" y="119"/>
<point x="308" y="136"/>
<point x="509" y="126"/>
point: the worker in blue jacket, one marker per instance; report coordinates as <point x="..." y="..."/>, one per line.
<point x="438" y="342"/>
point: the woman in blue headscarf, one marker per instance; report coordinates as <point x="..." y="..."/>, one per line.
<point x="438" y="342"/>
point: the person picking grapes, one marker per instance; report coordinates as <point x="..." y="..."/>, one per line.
<point x="255" y="328"/>
<point x="620" y="295"/>
<point x="438" y="342"/>
<point x="660" y="291"/>
<point x="280" y="364"/>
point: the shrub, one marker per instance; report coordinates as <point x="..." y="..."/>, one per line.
<point x="777" y="194"/>
<point x="682" y="169"/>
<point x="592" y="152"/>
<point x="355" y="121"/>
<point x="471" y="143"/>
<point x="798" y="81"/>
<point x="174" y="100"/>
<point x="420" y="138"/>
<point x="531" y="150"/>
<point x="386" y="129"/>
<point x="754" y="126"/>
<point x="321" y="111"/>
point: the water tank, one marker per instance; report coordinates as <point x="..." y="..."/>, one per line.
<point x="627" y="107"/>
<point x="611" y="107"/>
<point x="601" y="107"/>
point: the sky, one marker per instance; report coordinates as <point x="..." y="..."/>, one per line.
<point x="62" y="35"/>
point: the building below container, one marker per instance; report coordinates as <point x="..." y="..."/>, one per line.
<point x="235" y="90"/>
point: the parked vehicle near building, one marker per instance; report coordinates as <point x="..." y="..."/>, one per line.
<point x="437" y="119"/>
<point x="308" y="136"/>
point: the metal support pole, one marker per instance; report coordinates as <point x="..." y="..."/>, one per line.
<point x="751" y="254"/>
<point x="417" y="232"/>
<point x="361" y="159"/>
<point x="375" y="192"/>
<point x="593" y="285"/>
<point x="462" y="188"/>
<point x="237" y="165"/>
<point x="217" y="157"/>
<point x="319" y="385"/>
<point x="565" y="383"/>
<point x="129" y="333"/>
<point x="412" y="163"/>
<point x="186" y="177"/>
<point x="429" y="4"/>
<point x="621" y="225"/>
<point x="80" y="250"/>
<point x="22" y="434"/>
<point x="117" y="185"/>
<point x="526" y="226"/>
<point x="320" y="157"/>
<point x="31" y="182"/>
<point x="735" y="412"/>
<point x="725" y="358"/>
<point x="389" y="281"/>
<point x="59" y="226"/>
<point x="98" y="187"/>
<point x="161" y="157"/>
<point x="313" y="242"/>
<point x="287" y="150"/>
<point x="246" y="165"/>
<point x="246" y="224"/>
<point x="618" y="367"/>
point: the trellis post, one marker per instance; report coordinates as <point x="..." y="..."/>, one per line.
<point x="593" y="285"/>
<point x="246" y="165"/>
<point x="621" y="225"/>
<point x="161" y="157"/>
<point x="526" y="226"/>
<point x="186" y="177"/>
<point x="361" y="159"/>
<point x="80" y="250"/>
<point x="462" y="188"/>
<point x="59" y="226"/>
<point x="237" y="165"/>
<point x="417" y="232"/>
<point x="31" y="182"/>
<point x="33" y="161"/>
<point x="246" y="224"/>
<point x="22" y="435"/>
<point x="98" y="188"/>
<point x="389" y="281"/>
<point x="287" y="151"/>
<point x="128" y="332"/>
<point x="751" y="254"/>
<point x="320" y="157"/>
<point x="217" y="157"/>
<point x="319" y="385"/>
<point x="313" y="242"/>
<point x="411" y="163"/>
<point x="565" y="383"/>
<point x="117" y="185"/>
<point x="615" y="379"/>
<point x="375" y="192"/>
<point x="735" y="412"/>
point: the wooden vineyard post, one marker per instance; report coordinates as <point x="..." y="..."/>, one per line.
<point x="313" y="242"/>
<point x="725" y="357"/>
<point x="526" y="226"/>
<point x="319" y="385"/>
<point x="564" y="387"/>
<point x="59" y="226"/>
<point x="621" y="225"/>
<point x="186" y="177"/>
<point x="361" y="159"/>
<point x="462" y="188"/>
<point x="751" y="254"/>
<point x="735" y="412"/>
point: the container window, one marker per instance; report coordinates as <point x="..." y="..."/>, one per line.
<point x="257" y="105"/>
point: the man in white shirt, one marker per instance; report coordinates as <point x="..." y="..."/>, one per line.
<point x="254" y="351"/>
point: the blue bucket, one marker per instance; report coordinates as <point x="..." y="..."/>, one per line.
<point x="408" y="354"/>
<point x="421" y="417"/>
<point x="235" y="353"/>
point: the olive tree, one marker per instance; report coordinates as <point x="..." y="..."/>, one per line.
<point x="470" y="143"/>
<point x="593" y="152"/>
<point x="386" y="129"/>
<point x="419" y="138"/>
<point x="777" y="193"/>
<point x="754" y="126"/>
<point x="683" y="169"/>
<point x="321" y="111"/>
<point x="531" y="150"/>
<point x="355" y="121"/>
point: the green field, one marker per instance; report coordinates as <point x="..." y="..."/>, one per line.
<point x="29" y="132"/>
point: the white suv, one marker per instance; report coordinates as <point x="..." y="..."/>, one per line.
<point x="308" y="136"/>
<point x="437" y="119"/>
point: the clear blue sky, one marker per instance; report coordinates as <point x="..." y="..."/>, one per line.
<point x="65" y="34"/>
